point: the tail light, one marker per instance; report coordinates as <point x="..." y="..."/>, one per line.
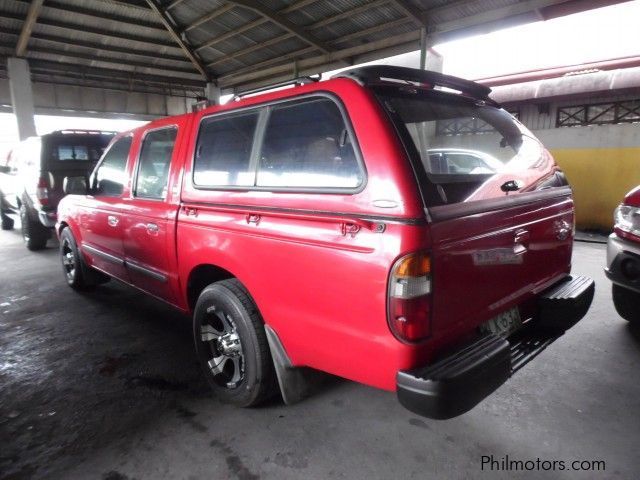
<point x="627" y="222"/>
<point x="42" y="191"/>
<point x="410" y="297"/>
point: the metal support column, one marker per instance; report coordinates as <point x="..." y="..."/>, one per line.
<point x="212" y="92"/>
<point x="423" y="48"/>
<point x="21" y="96"/>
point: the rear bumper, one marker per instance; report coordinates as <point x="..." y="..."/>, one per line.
<point x="623" y="262"/>
<point x="48" y="219"/>
<point x="458" y="382"/>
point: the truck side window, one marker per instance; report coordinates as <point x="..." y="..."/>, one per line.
<point x="307" y="144"/>
<point x="223" y="151"/>
<point x="154" y="163"/>
<point x="110" y="175"/>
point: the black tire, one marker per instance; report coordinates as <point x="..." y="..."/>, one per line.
<point x="7" y="222"/>
<point x="34" y="234"/>
<point x="627" y="303"/>
<point x="231" y="345"/>
<point x="78" y="274"/>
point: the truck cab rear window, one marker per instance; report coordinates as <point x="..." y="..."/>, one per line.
<point x="468" y="151"/>
<point x="304" y="144"/>
<point x="223" y="152"/>
<point x="307" y="144"/>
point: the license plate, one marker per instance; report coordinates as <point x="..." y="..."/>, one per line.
<point x="504" y="324"/>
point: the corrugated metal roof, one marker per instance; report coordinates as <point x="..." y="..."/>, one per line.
<point x="237" y="43"/>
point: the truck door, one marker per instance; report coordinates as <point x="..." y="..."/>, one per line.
<point x="151" y="210"/>
<point x="101" y="212"/>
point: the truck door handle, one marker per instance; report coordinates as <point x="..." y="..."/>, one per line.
<point x="348" y="228"/>
<point x="253" y="218"/>
<point x="520" y="241"/>
<point x="152" y="229"/>
<point x="112" y="220"/>
<point x="190" y="211"/>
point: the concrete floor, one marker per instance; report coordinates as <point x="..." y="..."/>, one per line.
<point x="106" y="386"/>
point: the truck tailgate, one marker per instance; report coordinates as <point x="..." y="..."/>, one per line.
<point x="486" y="262"/>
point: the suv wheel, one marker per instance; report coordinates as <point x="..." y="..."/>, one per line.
<point x="627" y="303"/>
<point x="34" y="234"/>
<point x="231" y="344"/>
<point x="78" y="274"/>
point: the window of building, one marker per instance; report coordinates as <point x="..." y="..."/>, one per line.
<point x="468" y="125"/>
<point x="627" y="111"/>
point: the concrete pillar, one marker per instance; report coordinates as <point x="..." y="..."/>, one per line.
<point x="212" y="92"/>
<point x="433" y="61"/>
<point x="21" y="96"/>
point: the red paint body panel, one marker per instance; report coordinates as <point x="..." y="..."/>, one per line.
<point x="633" y="198"/>
<point x="468" y="292"/>
<point x="97" y="233"/>
<point x="323" y="290"/>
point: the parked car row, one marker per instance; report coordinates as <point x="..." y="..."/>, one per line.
<point x="32" y="174"/>
<point x="330" y="226"/>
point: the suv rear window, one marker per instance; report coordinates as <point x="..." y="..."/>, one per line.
<point x="468" y="150"/>
<point x="67" y="150"/>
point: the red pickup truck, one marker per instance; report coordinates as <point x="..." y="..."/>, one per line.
<point x="391" y="226"/>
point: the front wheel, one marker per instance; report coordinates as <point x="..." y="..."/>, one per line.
<point x="231" y="344"/>
<point x="627" y="303"/>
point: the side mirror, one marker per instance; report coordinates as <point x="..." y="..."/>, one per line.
<point x="5" y="169"/>
<point x="75" y="185"/>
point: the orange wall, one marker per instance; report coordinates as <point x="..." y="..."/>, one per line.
<point x="600" y="177"/>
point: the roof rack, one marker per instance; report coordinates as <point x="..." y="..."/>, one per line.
<point x="72" y="131"/>
<point x="385" y="74"/>
<point x="295" y="82"/>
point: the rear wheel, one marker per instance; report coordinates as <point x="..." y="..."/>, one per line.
<point x="34" y="234"/>
<point x="78" y="274"/>
<point x="627" y="303"/>
<point x="7" y="222"/>
<point x="231" y="344"/>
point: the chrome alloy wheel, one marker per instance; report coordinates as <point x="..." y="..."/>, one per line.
<point x="68" y="260"/>
<point x="225" y="354"/>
